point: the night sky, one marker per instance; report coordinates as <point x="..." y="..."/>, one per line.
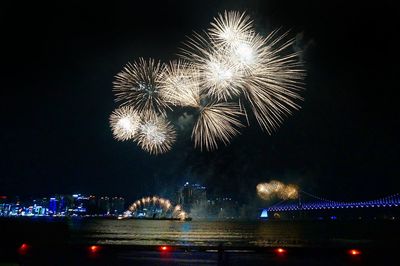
<point x="58" y="63"/>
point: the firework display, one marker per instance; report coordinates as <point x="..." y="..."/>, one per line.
<point x="267" y="191"/>
<point x="124" y="123"/>
<point x="138" y="86"/>
<point x="156" y="135"/>
<point x="164" y="204"/>
<point x="180" y="84"/>
<point x="224" y="75"/>
<point x="216" y="122"/>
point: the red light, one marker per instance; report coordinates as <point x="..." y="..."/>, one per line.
<point x="280" y="251"/>
<point x="23" y="249"/>
<point x="164" y="248"/>
<point x="354" y="252"/>
<point x="94" y="249"/>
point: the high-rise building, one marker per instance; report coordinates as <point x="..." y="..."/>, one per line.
<point x="59" y="204"/>
<point x="53" y="205"/>
<point x="81" y="204"/>
<point x="192" y="194"/>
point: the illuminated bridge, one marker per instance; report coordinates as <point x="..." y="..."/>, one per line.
<point x="307" y="201"/>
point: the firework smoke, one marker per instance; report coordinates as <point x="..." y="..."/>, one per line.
<point x="267" y="191"/>
<point x="178" y="212"/>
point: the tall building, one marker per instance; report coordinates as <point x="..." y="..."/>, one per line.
<point x="192" y="194"/>
<point x="61" y="204"/>
<point x="80" y="204"/>
<point x="53" y="206"/>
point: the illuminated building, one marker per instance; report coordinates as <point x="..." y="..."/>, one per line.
<point x="53" y="205"/>
<point x="62" y="205"/>
<point x="192" y="194"/>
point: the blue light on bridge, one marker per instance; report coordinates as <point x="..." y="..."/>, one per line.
<point x="322" y="204"/>
<point x="264" y="214"/>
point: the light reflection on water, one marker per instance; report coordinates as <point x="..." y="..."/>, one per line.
<point x="211" y="233"/>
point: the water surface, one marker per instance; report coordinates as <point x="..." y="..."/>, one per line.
<point x="233" y="233"/>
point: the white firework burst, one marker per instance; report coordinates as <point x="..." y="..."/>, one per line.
<point x="138" y="86"/>
<point x="124" y="123"/>
<point x="180" y="84"/>
<point x="219" y="77"/>
<point x="156" y="135"/>
<point x="228" y="63"/>
<point x="270" y="74"/>
<point x="273" y="89"/>
<point x="217" y="122"/>
<point x="230" y="28"/>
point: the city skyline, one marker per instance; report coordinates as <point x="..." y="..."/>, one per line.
<point x="189" y="200"/>
<point x="58" y="72"/>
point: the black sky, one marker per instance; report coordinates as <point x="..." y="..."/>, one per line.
<point x="57" y="66"/>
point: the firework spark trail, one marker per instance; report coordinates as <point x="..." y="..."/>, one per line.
<point x="267" y="191"/>
<point x="231" y="27"/>
<point x="180" y="84"/>
<point x="156" y="135"/>
<point x="234" y="34"/>
<point x="216" y="122"/>
<point x="273" y="89"/>
<point x="124" y="123"/>
<point x="234" y="61"/>
<point x="218" y="74"/>
<point x="138" y="85"/>
<point x="155" y="200"/>
<point x="165" y="204"/>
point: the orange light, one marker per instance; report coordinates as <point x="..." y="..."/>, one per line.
<point x="94" y="249"/>
<point x="280" y="250"/>
<point x="164" y="248"/>
<point x="354" y="252"/>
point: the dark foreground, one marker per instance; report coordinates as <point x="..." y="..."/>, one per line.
<point x="25" y="242"/>
<point x="155" y="255"/>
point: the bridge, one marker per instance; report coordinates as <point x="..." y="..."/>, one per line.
<point x="307" y="201"/>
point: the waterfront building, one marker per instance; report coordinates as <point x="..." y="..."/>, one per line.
<point x="190" y="195"/>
